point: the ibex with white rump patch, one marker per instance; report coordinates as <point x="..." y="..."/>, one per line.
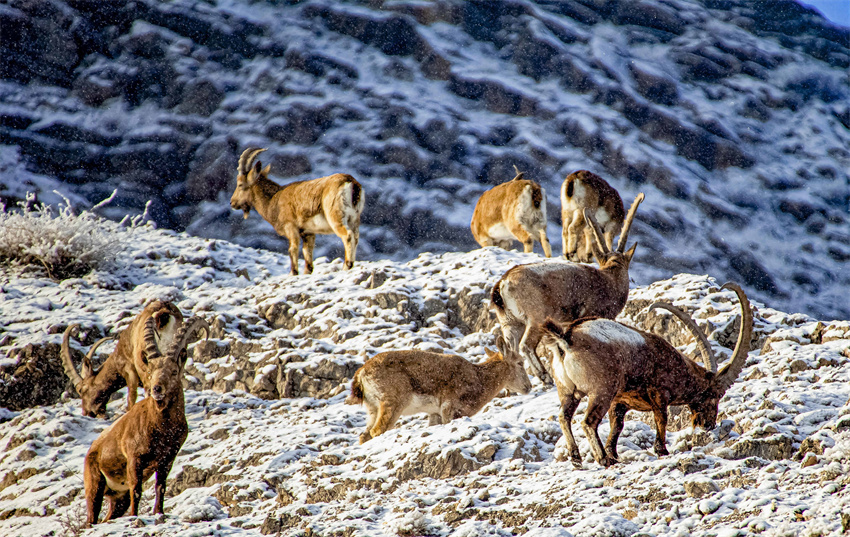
<point x="147" y="438"/>
<point x="585" y="190"/>
<point x="300" y="210"/>
<point x="396" y="383"/>
<point x="621" y="368"/>
<point x="125" y="366"/>
<point x="527" y="295"/>
<point x="515" y="210"/>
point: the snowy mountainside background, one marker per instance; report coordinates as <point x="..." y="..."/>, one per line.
<point x="731" y="115"/>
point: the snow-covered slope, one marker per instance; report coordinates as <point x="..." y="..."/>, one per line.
<point x="776" y="465"/>
<point x="732" y="116"/>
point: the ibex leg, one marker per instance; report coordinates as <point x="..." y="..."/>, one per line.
<point x="95" y="485"/>
<point x="307" y="248"/>
<point x="616" y="418"/>
<point x="544" y="242"/>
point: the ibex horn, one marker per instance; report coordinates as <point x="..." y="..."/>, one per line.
<point x="247" y="158"/>
<point x="731" y="371"/>
<point x="627" y="223"/>
<point x="185" y="334"/>
<point x="708" y="357"/>
<point x="65" y="353"/>
<point x="598" y="234"/>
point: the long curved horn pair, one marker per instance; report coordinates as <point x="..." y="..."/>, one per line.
<point x="68" y="363"/>
<point x="247" y="159"/>
<point x="708" y="356"/>
<point x="186" y="333"/>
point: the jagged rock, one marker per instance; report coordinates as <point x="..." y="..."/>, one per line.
<point x="700" y="487"/>
<point x="35" y="378"/>
<point x="437" y="465"/>
<point x="772" y="448"/>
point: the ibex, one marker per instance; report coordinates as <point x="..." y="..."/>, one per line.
<point x="527" y="295"/>
<point x="147" y="438"/>
<point x="125" y="366"/>
<point x="585" y="190"/>
<point x="515" y="210"/>
<point x="396" y="383"/>
<point x="621" y="368"/>
<point x="300" y="210"/>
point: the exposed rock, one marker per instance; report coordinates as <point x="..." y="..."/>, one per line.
<point x="700" y="487"/>
<point x="772" y="448"/>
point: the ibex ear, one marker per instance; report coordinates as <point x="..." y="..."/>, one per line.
<point x="502" y="345"/>
<point x="86" y="368"/>
<point x="255" y="172"/>
<point x="266" y="170"/>
<point x="490" y="354"/>
<point x="631" y="252"/>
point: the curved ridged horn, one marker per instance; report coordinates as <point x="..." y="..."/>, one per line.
<point x="87" y="368"/>
<point x="185" y="334"/>
<point x="730" y="372"/>
<point x="247" y="158"/>
<point x="519" y="174"/>
<point x="708" y="357"/>
<point x="598" y="234"/>
<point x="627" y="223"/>
<point x="151" y="350"/>
<point x="65" y="353"/>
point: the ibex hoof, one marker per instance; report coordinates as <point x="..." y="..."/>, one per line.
<point x="348" y="265"/>
<point x="365" y="437"/>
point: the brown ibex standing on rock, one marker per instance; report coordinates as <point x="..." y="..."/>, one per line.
<point x="396" y="383"/>
<point x="125" y="366"/>
<point x="515" y="210"/>
<point x="301" y="210"/>
<point x="527" y="295"/>
<point x="621" y="368"/>
<point x="147" y="438"/>
<point x="583" y="190"/>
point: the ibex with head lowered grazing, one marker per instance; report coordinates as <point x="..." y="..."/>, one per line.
<point x="621" y="368"/>
<point x="515" y="210"/>
<point x="396" y="383"/>
<point x="147" y="438"/>
<point x="301" y="210"/>
<point x="125" y="366"/>
<point x="585" y="190"/>
<point x="527" y="295"/>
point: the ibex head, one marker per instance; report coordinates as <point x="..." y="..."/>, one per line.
<point x="165" y="373"/>
<point x="249" y="171"/>
<point x="517" y="380"/>
<point x="93" y="396"/>
<point x="619" y="255"/>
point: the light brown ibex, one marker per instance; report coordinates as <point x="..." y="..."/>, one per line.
<point x="301" y="210"/>
<point x="396" y="383"/>
<point x="585" y="190"/>
<point x="515" y="210"/>
<point x="527" y="295"/>
<point x="147" y="438"/>
<point x="125" y="366"/>
<point x="620" y="368"/>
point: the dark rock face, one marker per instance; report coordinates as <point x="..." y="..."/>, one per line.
<point x="36" y="378"/>
<point x="695" y="103"/>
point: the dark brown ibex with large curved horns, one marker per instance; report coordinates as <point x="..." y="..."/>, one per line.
<point x="147" y="438"/>
<point x="301" y="210"/>
<point x="621" y="368"/>
<point x="527" y="295"/>
<point x="125" y="366"/>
